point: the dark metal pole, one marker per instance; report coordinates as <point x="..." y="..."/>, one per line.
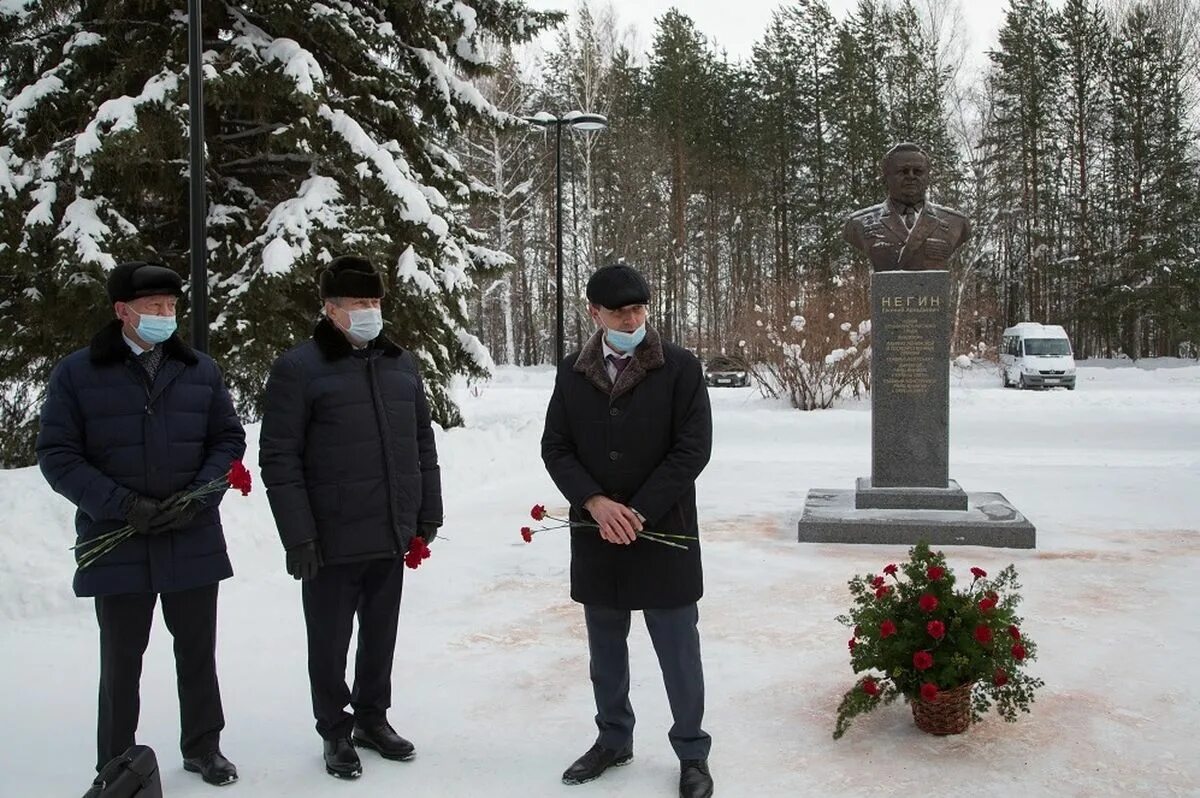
<point x="196" y="207"/>
<point x="558" y="326"/>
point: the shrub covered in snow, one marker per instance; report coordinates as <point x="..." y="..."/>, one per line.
<point x="810" y="357"/>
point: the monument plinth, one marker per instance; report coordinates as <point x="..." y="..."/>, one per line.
<point x="909" y="495"/>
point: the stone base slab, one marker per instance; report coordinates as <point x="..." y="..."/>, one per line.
<point x="952" y="497"/>
<point x="830" y="516"/>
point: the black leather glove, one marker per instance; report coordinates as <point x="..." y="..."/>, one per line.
<point x="140" y="513"/>
<point x="174" y="515"/>
<point x="304" y="560"/>
<point x="427" y="531"/>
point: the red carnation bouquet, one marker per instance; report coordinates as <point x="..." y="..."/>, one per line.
<point x="418" y="552"/>
<point x="918" y="637"/>
<point x="538" y="513"/>
<point x="237" y="478"/>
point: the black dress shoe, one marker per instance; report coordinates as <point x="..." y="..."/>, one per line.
<point x="214" y="768"/>
<point x="593" y="764"/>
<point x="383" y="738"/>
<point x="341" y="760"/>
<point x="694" y="779"/>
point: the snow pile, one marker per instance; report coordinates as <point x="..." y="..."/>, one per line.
<point x="393" y="169"/>
<point x="298" y="63"/>
<point x="82" y="227"/>
<point x="82" y="39"/>
<point x="291" y="223"/>
<point x="121" y="113"/>
<point x="19" y="107"/>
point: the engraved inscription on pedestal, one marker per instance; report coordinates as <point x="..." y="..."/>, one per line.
<point x="910" y="379"/>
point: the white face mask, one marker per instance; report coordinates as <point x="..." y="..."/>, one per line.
<point x="365" y="325"/>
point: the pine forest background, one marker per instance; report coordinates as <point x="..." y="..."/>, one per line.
<point x="393" y="129"/>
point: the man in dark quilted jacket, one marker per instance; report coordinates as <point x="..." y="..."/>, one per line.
<point x="348" y="458"/>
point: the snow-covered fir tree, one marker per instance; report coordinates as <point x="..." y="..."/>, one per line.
<point x="328" y="130"/>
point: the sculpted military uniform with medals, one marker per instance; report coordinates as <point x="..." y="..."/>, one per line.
<point x="906" y="232"/>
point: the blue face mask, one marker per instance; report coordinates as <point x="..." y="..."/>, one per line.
<point x="365" y="325"/>
<point x="625" y="341"/>
<point x="155" y="329"/>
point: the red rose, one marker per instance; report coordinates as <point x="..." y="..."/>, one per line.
<point x="983" y="633"/>
<point x="527" y="534"/>
<point x="239" y="477"/>
<point x="883" y="591"/>
<point x="853" y="643"/>
<point x="887" y="629"/>
<point x="987" y="605"/>
<point x="928" y="602"/>
<point x="877" y="582"/>
<point x="1014" y="632"/>
<point x="1001" y="678"/>
<point x="929" y="692"/>
<point x="936" y="629"/>
<point x="1018" y="651"/>
<point x="978" y="573"/>
<point x="870" y="687"/>
<point x="890" y="570"/>
<point x="538" y="512"/>
<point x="922" y="660"/>
<point x="935" y="572"/>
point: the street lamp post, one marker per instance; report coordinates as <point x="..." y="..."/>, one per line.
<point x="196" y="206"/>
<point x="588" y="123"/>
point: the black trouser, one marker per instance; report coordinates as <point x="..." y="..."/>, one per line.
<point x="371" y="590"/>
<point x="677" y="644"/>
<point x="125" y="620"/>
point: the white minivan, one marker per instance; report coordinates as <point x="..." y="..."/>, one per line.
<point x="1036" y="355"/>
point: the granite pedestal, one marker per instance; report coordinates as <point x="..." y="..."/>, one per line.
<point x="909" y="496"/>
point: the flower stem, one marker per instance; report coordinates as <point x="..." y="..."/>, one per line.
<point x="593" y="525"/>
<point x="115" y="539"/>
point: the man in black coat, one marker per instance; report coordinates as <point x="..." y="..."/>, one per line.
<point x="129" y="424"/>
<point x="348" y="458"/>
<point x="627" y="433"/>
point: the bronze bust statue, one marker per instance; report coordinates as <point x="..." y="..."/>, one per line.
<point x="905" y="232"/>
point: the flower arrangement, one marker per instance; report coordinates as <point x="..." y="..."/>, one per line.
<point x="237" y="477"/>
<point x="917" y="636"/>
<point x="418" y="552"/>
<point x="538" y="513"/>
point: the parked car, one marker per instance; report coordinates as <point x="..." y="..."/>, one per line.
<point x="725" y="371"/>
<point x="1036" y="355"/>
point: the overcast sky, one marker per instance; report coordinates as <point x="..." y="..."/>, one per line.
<point x="736" y="25"/>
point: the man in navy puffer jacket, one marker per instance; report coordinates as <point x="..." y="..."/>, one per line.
<point x="129" y="423"/>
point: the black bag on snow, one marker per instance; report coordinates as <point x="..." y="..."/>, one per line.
<point x="133" y="774"/>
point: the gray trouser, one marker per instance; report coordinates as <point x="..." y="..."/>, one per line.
<point x="677" y="643"/>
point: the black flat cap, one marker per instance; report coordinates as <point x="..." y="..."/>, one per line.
<point x="351" y="276"/>
<point x="128" y="281"/>
<point x="616" y="286"/>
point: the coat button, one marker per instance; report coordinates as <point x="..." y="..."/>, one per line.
<point x="613" y="456"/>
<point x="612" y="411"/>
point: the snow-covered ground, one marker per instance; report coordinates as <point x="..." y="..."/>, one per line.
<point x="491" y="667"/>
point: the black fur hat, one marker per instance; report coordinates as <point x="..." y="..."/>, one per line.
<point x="616" y="286"/>
<point x="128" y="281"/>
<point x="351" y="276"/>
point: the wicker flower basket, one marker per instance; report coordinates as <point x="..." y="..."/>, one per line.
<point x="949" y="713"/>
